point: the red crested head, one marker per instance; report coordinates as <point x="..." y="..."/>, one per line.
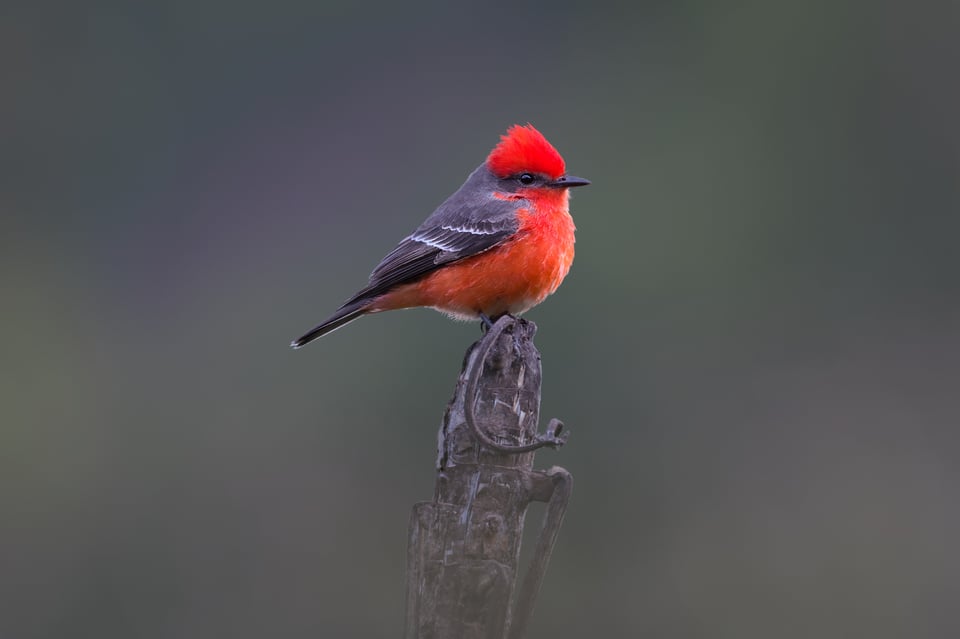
<point x="524" y="150"/>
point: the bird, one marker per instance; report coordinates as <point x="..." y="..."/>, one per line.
<point x="499" y="245"/>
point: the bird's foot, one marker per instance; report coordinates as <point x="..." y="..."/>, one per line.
<point x="485" y="323"/>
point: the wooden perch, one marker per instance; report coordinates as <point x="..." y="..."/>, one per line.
<point x="465" y="545"/>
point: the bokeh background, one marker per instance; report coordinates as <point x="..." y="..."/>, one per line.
<point x="756" y="350"/>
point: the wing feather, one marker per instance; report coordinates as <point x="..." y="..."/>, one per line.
<point x="469" y="222"/>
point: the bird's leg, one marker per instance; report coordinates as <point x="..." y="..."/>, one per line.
<point x="485" y="323"/>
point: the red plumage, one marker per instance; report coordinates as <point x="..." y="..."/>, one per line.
<point x="524" y="149"/>
<point x="500" y="244"/>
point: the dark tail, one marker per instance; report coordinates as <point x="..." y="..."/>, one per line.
<point x="344" y="315"/>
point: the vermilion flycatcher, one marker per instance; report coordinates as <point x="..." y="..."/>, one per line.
<point x="501" y="244"/>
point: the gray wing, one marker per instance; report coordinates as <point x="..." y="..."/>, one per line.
<point x="469" y="222"/>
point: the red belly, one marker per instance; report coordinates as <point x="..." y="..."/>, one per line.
<point x="511" y="278"/>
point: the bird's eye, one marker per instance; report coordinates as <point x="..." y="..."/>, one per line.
<point x="527" y="178"/>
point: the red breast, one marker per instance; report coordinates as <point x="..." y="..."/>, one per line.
<point x="510" y="278"/>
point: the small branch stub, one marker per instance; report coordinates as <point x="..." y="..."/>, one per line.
<point x="464" y="545"/>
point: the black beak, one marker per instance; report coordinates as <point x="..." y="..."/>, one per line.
<point x="568" y="181"/>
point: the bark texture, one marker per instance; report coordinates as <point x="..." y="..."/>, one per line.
<point x="465" y="544"/>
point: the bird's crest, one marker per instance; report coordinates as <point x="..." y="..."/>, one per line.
<point x="524" y="149"/>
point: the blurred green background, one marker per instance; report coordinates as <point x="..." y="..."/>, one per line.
<point x="756" y="349"/>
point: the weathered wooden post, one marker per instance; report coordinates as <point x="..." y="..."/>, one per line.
<point x="465" y="544"/>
